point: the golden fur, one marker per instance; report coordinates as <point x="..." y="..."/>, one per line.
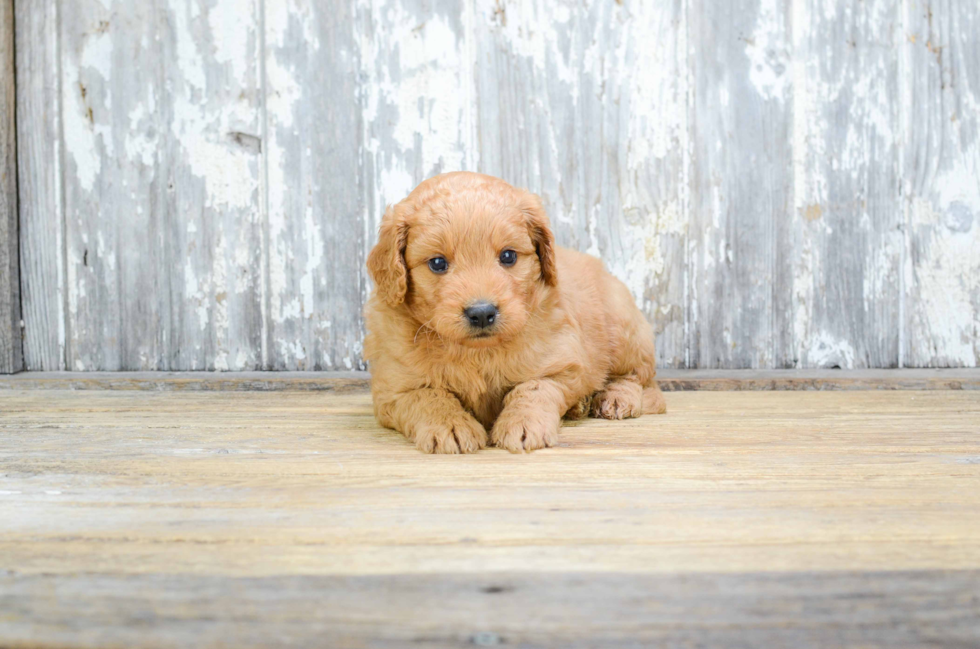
<point x="568" y="340"/>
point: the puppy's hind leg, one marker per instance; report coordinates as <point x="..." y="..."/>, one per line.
<point x="653" y="400"/>
<point x="620" y="399"/>
<point x="581" y="409"/>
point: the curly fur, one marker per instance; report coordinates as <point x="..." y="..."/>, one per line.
<point x="568" y="341"/>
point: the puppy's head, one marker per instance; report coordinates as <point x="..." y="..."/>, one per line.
<point x="468" y="255"/>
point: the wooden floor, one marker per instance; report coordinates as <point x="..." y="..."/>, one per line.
<point x="240" y="519"/>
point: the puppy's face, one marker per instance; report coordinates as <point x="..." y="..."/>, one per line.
<point x="474" y="271"/>
<point x="475" y="253"/>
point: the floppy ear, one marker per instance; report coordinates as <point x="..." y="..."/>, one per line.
<point x="544" y="241"/>
<point x="386" y="263"/>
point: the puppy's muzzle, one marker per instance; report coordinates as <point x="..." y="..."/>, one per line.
<point x="481" y="315"/>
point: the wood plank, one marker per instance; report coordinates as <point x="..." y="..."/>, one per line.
<point x="250" y="484"/>
<point x="416" y="81"/>
<point x="253" y="484"/>
<point x="416" y="95"/>
<point x="39" y="184"/>
<point x="161" y="120"/>
<point x="573" y="104"/>
<point x="737" y="519"/>
<point x="926" y="379"/>
<point x="11" y="343"/>
<point x="845" y="232"/>
<point x="741" y="180"/>
<point x="802" y="609"/>
<point x="115" y="169"/>
<point x="316" y="247"/>
<point x="940" y="183"/>
<point x="358" y="381"/>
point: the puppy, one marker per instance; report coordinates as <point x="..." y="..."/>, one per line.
<point x="479" y="322"/>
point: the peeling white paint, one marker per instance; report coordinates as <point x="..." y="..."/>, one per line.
<point x="802" y="109"/>
<point x="217" y="301"/>
<point x="202" y="129"/>
<point x="657" y="111"/>
<point x="602" y="131"/>
<point x="536" y="30"/>
<point x="946" y="285"/>
<point x="803" y="264"/>
<point x="415" y="97"/>
<point x="229" y="175"/>
<point x="314" y="258"/>
<point x="86" y="133"/>
<point x="228" y="24"/>
<point x="188" y="57"/>
<point x="284" y="92"/>
<point x="76" y="293"/>
<point x="827" y="351"/>
<point x="194" y="292"/>
<point x="282" y="101"/>
<point x="280" y="16"/>
<point x="767" y="52"/>
<point x="803" y="299"/>
<point x="395" y="182"/>
<point x="292" y="350"/>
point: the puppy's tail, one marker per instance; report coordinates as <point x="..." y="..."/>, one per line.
<point x="653" y="400"/>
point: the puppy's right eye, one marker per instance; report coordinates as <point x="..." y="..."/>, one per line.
<point x="438" y="265"/>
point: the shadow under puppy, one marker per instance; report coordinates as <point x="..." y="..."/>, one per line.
<point x="479" y="322"/>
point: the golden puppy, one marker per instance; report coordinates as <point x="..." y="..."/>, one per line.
<point x="480" y="322"/>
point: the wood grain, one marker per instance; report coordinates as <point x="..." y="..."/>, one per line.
<point x="741" y="182"/>
<point x="737" y="519"/>
<point x="941" y="183"/>
<point x="844" y="235"/>
<point x="11" y="344"/>
<point x="163" y="226"/>
<point x="316" y="247"/>
<point x="781" y="184"/>
<point x="40" y="200"/>
<point x="836" y="610"/>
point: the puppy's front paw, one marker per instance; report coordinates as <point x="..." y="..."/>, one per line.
<point x="619" y="400"/>
<point x="525" y="429"/>
<point x="459" y="434"/>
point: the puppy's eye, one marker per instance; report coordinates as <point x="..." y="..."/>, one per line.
<point x="438" y="265"/>
<point x="508" y="258"/>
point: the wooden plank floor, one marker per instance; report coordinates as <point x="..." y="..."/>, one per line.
<point x="239" y="519"/>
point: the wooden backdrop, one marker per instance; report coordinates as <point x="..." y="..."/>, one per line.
<point x="781" y="183"/>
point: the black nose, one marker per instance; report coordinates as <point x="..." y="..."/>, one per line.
<point x="481" y="315"/>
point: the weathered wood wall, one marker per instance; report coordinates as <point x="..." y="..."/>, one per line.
<point x="781" y="183"/>
<point x="11" y="346"/>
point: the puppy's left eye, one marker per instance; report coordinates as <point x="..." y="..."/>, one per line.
<point x="438" y="265"/>
<point x="508" y="258"/>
